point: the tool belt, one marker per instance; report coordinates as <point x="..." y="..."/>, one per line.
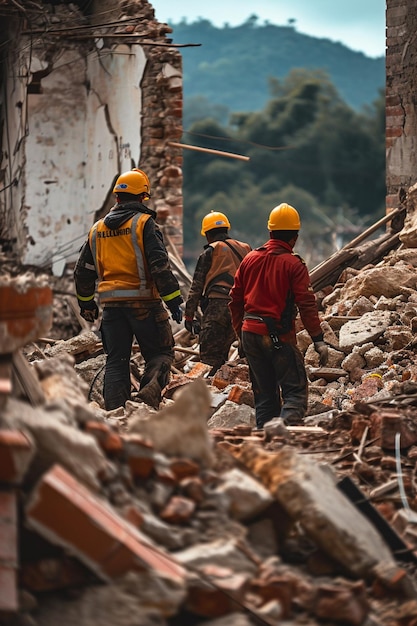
<point x="272" y="325"/>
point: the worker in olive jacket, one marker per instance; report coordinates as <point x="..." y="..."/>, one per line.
<point x="213" y="278"/>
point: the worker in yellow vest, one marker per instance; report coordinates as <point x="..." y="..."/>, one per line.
<point x="126" y="256"/>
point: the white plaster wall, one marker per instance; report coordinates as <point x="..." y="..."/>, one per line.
<point x="55" y="203"/>
<point x="113" y="130"/>
<point x="83" y="129"/>
<point x="401" y="159"/>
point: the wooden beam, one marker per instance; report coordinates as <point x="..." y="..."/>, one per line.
<point x="231" y="155"/>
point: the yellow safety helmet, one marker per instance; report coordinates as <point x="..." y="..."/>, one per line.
<point x="135" y="181"/>
<point x="214" y="219"/>
<point x="284" y="217"/>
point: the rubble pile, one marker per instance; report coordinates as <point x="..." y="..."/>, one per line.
<point x="186" y="515"/>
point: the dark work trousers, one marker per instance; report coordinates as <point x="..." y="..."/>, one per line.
<point x="217" y="334"/>
<point x="153" y="333"/>
<point x="279" y="379"/>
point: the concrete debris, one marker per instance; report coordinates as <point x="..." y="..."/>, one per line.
<point x="188" y="514"/>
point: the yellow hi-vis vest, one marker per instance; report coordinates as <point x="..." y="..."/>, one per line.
<point x="120" y="263"/>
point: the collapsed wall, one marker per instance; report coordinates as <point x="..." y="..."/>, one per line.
<point x="401" y="109"/>
<point x="89" y="90"/>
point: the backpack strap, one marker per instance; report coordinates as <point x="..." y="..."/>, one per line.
<point x="239" y="256"/>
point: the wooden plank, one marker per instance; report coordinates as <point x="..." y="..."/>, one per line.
<point x="231" y="155"/>
<point x="26" y="381"/>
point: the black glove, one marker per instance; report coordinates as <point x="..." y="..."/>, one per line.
<point x="193" y="326"/>
<point x="174" y="307"/>
<point x="88" y="310"/>
<point x="323" y="351"/>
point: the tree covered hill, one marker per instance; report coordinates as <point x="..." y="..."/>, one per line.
<point x="234" y="65"/>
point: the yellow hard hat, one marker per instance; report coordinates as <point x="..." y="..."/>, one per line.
<point x="284" y="217"/>
<point x="134" y="181"/>
<point x="214" y="219"/>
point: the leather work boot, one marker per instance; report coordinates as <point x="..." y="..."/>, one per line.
<point x="293" y="420"/>
<point x="150" y="394"/>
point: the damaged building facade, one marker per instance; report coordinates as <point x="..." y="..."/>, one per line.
<point x="88" y="90"/>
<point x="401" y="100"/>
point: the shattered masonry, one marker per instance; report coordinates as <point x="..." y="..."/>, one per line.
<point x="83" y="103"/>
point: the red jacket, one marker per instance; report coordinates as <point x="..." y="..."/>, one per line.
<point x="271" y="280"/>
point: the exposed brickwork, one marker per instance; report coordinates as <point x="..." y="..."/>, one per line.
<point x="162" y="122"/>
<point x="401" y="84"/>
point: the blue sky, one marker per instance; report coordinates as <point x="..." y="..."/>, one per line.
<point x="359" y="24"/>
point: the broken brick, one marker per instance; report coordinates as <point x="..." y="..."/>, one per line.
<point x="16" y="452"/>
<point x="66" y="513"/>
<point x="198" y="371"/>
<point x="139" y="453"/>
<point x="241" y="395"/>
<point x="183" y="468"/>
<point x="192" y="487"/>
<point x="108" y="440"/>
<point x="218" y="591"/>
<point x="345" y="604"/>
<point x="276" y="587"/>
<point x="178" y="510"/>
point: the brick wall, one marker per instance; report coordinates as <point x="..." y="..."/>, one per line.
<point x="401" y="98"/>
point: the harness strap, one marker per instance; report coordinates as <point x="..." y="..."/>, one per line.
<point x="272" y="325"/>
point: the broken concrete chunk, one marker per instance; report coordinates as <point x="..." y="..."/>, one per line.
<point x="85" y="342"/>
<point x="231" y="414"/>
<point x="224" y="553"/>
<point x="144" y="599"/>
<point x="180" y="429"/>
<point x="367" y="328"/>
<point x="57" y="441"/>
<point x="247" y="497"/>
<point x="310" y="497"/>
<point x="380" y="281"/>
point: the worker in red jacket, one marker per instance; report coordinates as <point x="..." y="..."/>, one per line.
<point x="271" y="284"/>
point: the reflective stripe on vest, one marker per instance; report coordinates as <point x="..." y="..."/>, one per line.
<point x="143" y="291"/>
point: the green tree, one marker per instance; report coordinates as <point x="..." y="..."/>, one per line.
<point x="307" y="147"/>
